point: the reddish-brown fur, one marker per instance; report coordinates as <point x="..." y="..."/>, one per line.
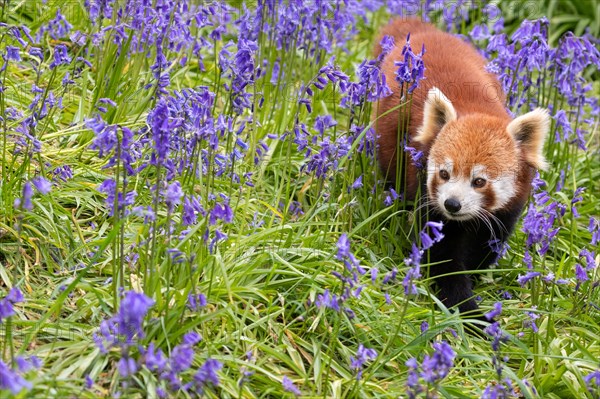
<point x="468" y="127"/>
<point x="457" y="69"/>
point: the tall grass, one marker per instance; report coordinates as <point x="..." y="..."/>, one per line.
<point x="192" y="207"/>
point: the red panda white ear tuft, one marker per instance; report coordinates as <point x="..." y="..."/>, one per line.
<point x="437" y="112"/>
<point x="530" y="131"/>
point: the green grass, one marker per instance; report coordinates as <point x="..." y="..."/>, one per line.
<point x="71" y="259"/>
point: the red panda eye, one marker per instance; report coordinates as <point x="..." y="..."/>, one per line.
<point x="444" y="175"/>
<point x="479" y="182"/>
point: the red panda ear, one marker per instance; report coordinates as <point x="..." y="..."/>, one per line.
<point x="437" y="112"/>
<point x="530" y="131"/>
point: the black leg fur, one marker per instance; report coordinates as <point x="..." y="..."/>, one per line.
<point x="465" y="247"/>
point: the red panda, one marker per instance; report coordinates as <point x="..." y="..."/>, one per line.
<point x="480" y="162"/>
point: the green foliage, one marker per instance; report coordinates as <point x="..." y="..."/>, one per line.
<point x="72" y="258"/>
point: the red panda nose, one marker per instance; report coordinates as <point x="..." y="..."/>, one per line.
<point x="452" y="205"/>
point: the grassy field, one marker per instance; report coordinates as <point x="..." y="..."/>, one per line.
<point x="191" y="207"/>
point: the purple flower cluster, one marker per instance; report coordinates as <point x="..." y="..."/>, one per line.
<point x="125" y="329"/>
<point x="526" y="59"/>
<point x="363" y="355"/>
<point x="40" y="183"/>
<point x="411" y="70"/>
<point x="11" y="380"/>
<point x="126" y="326"/>
<point x="432" y="370"/>
<point x="541" y="215"/>
<point x="350" y="279"/>
<point x="413" y="261"/>
<point x="592" y="382"/>
<point x="502" y="387"/>
<point x="6" y="304"/>
<point x="57" y="28"/>
<point x="289" y="386"/>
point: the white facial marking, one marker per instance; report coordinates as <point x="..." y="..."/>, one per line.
<point x="461" y="190"/>
<point x="504" y="189"/>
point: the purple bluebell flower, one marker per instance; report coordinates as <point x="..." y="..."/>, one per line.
<point x="580" y="274"/>
<point x="289" y="386"/>
<point x="181" y="358"/>
<point x="196" y="302"/>
<point x="12" y="381"/>
<point x="126" y="324"/>
<point x="42" y="185"/>
<point x="12" y="53"/>
<point x="344" y="254"/>
<point x="495" y="332"/>
<point x="387" y="45"/>
<point x="491" y="315"/>
<point x="26" y="364"/>
<point x="594" y="228"/>
<point x="411" y="70"/>
<point x="207" y="374"/>
<point x="327" y="300"/>
<point x="154" y="359"/>
<point x="61" y="56"/>
<point x="173" y="195"/>
<point x="371" y="86"/>
<point x="6" y="304"/>
<point x="592" y="382"/>
<point x="89" y="382"/>
<point x="436" y="230"/>
<point x="221" y="212"/>
<point x="524" y="279"/>
<point x="127" y="366"/>
<point x="530" y="322"/>
<point x="432" y="370"/>
<point x="417" y="157"/>
<point x="191" y="209"/>
<point x="564" y="125"/>
<point x="57" y="28"/>
<point x="25" y="201"/>
<point x="577" y="197"/>
<point x="437" y="366"/>
<point x="323" y="123"/>
<point x="363" y="355"/>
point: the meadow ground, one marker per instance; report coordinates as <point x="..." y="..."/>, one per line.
<point x="191" y="206"/>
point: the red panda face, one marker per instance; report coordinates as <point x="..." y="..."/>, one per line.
<point x="472" y="167"/>
<point x="474" y="161"/>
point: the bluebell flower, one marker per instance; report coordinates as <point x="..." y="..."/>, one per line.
<point x="12" y="53"/>
<point x="491" y="315"/>
<point x="432" y="370"/>
<point x="363" y="355"/>
<point x="42" y="185"/>
<point x="56" y="28"/>
<point x="6" y="304"/>
<point x="530" y="322"/>
<point x="61" y="56"/>
<point x="327" y="300"/>
<point x="25" y="201"/>
<point x="127" y="366"/>
<point x="289" y="386"/>
<point x="411" y="70"/>
<point x="195" y="302"/>
<point x="154" y="359"/>
<point x="207" y="374"/>
<point x="524" y="279"/>
<point x="594" y="228"/>
<point x="12" y="381"/>
<point x="592" y="382"/>
<point x="173" y="195"/>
